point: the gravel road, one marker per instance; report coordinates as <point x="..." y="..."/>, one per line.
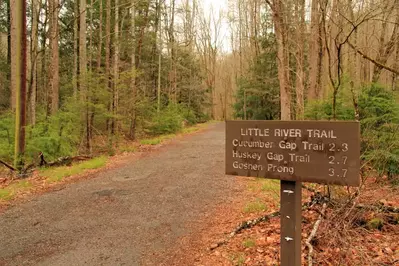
<point x="123" y="216"/>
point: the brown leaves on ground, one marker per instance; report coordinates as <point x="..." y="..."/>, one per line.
<point x="343" y="238"/>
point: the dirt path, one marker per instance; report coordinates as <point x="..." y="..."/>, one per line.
<point x="123" y="216"/>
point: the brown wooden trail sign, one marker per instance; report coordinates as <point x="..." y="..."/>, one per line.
<point x="294" y="152"/>
<point x="308" y="151"/>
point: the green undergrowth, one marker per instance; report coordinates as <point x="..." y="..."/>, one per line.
<point x="9" y="192"/>
<point x="269" y="187"/>
<point x="237" y="258"/>
<point x="160" y="139"/>
<point x="6" y="194"/>
<point x="249" y="243"/>
<point x="255" y="206"/>
<point x="59" y="173"/>
<point x="157" y="140"/>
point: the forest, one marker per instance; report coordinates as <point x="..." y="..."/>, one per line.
<point x="99" y="73"/>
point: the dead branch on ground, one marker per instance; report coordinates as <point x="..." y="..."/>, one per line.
<point x="313" y="234"/>
<point x="251" y="223"/>
<point x="68" y="160"/>
<point x="7" y="165"/>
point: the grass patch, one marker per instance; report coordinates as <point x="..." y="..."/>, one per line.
<point x="256" y="206"/>
<point x="6" y="194"/>
<point x="157" y="140"/>
<point x="10" y="191"/>
<point x="249" y="243"/>
<point x="24" y="184"/>
<point x="59" y="173"/>
<point x="237" y="259"/>
<point x="154" y="141"/>
<point x="186" y="130"/>
<point x="270" y="185"/>
<point x="128" y="149"/>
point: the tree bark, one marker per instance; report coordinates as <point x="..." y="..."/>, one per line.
<point x="282" y="57"/>
<point x="133" y="87"/>
<point x="100" y="37"/>
<point x="386" y="49"/>
<point x="18" y="75"/>
<point x="115" y="68"/>
<point x="84" y="93"/>
<point x="54" y="79"/>
<point x="108" y="42"/>
<point x="300" y="47"/>
<point x="9" y="44"/>
<point x="34" y="56"/>
<point x="314" y="57"/>
<point x="159" y="58"/>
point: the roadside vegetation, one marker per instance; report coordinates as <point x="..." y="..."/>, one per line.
<point x="44" y="178"/>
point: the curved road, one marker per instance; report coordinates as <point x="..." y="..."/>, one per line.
<point x="123" y="216"/>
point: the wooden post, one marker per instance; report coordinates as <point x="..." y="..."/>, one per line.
<point x="291" y="216"/>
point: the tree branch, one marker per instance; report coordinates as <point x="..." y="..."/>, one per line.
<point x="8" y="166"/>
<point x="313" y="234"/>
<point x="373" y="60"/>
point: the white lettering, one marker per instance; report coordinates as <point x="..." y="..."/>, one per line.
<point x="280" y="169"/>
<point x="255" y="132"/>
<point x="247" y="166"/>
<point x="316" y="133"/>
<point x="287" y="145"/>
<point x="292" y="133"/>
<point x="274" y="157"/>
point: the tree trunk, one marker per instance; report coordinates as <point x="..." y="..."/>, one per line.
<point x="34" y="56"/>
<point x="42" y="94"/>
<point x="54" y="79"/>
<point x="386" y="49"/>
<point x="315" y="57"/>
<point x="300" y="47"/>
<point x="84" y="93"/>
<point x="82" y="49"/>
<point x="282" y="62"/>
<point x="173" y="53"/>
<point x="159" y="59"/>
<point x="115" y="68"/>
<point x="9" y="44"/>
<point x="100" y="37"/>
<point x="132" y="133"/>
<point x="75" y="50"/>
<point x="18" y="75"/>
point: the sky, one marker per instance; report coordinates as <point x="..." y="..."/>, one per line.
<point x="220" y="5"/>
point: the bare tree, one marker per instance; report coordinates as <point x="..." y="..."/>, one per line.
<point x="281" y="30"/>
<point x="54" y="75"/>
<point x="34" y="57"/>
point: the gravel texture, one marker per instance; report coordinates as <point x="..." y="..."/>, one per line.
<point x="123" y="216"/>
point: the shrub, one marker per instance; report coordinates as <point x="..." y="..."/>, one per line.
<point x="7" y="129"/>
<point x="55" y="136"/>
<point x="168" y="121"/>
<point x="379" y="119"/>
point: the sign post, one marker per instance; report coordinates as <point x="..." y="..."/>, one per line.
<point x="294" y="152"/>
